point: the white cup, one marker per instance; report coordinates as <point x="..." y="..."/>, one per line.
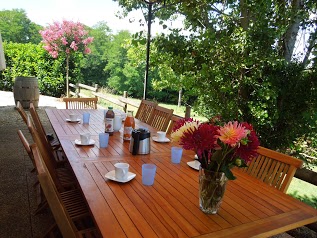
<point x="85" y="138"/>
<point x="197" y="164"/>
<point x="161" y="135"/>
<point x="73" y="117"/>
<point x="121" y="171"/>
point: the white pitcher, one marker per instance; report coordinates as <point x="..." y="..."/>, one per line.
<point x="117" y="123"/>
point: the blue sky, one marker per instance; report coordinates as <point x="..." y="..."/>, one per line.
<point x="88" y="12"/>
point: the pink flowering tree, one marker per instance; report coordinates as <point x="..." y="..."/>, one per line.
<point x="64" y="39"/>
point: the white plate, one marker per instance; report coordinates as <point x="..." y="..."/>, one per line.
<point x="69" y="120"/>
<point x="194" y="164"/>
<point x="111" y="175"/>
<point x="155" y="138"/>
<point x="78" y="142"/>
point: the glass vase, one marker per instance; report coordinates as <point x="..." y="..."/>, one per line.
<point x="212" y="186"/>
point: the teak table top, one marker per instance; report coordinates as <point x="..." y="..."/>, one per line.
<point x="169" y="208"/>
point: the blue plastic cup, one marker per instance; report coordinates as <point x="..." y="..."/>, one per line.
<point x="103" y="140"/>
<point x="176" y="154"/>
<point x="86" y="117"/>
<point x="148" y="174"/>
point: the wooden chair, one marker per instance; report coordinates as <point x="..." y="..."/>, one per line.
<point x="173" y="120"/>
<point x="160" y="118"/>
<point x="26" y="146"/>
<point x="64" y="178"/>
<point x="21" y="112"/>
<point x="273" y="168"/>
<point x="39" y="126"/>
<point x="69" y="208"/>
<point x="145" y="110"/>
<point x="81" y="103"/>
<point x="41" y="201"/>
<point x="54" y="146"/>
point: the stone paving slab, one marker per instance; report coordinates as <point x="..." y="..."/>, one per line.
<point x="17" y="194"/>
<point x="7" y="99"/>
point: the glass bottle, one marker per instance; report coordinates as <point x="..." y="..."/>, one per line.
<point x="109" y="121"/>
<point x="129" y="125"/>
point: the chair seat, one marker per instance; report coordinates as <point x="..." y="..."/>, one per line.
<point x="69" y="208"/>
<point x="54" y="232"/>
<point x="53" y="141"/>
<point x="60" y="157"/>
<point x="74" y="203"/>
<point x="66" y="178"/>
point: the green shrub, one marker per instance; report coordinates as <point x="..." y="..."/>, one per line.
<point x="32" y="60"/>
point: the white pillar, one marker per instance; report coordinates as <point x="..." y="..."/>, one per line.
<point x="2" y="59"/>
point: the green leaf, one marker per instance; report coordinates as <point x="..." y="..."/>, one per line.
<point x="228" y="173"/>
<point x="217" y="156"/>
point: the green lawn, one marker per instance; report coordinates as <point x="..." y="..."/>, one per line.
<point x="180" y="111"/>
<point x="304" y="191"/>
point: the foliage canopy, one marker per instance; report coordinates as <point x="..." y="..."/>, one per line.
<point x="238" y="59"/>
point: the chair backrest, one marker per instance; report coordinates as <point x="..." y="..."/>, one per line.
<point x="21" y="111"/>
<point x="26" y="145"/>
<point x="47" y="155"/>
<point x="41" y="133"/>
<point x="273" y="168"/>
<point x="37" y="123"/>
<point x="81" y="103"/>
<point x="145" y="110"/>
<point x="62" y="218"/>
<point x="173" y="120"/>
<point x="160" y="118"/>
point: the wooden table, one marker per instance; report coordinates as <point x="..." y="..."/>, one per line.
<point x="170" y="207"/>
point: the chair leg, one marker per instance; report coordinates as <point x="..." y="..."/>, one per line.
<point x="53" y="232"/>
<point x="41" y="200"/>
<point x="41" y="207"/>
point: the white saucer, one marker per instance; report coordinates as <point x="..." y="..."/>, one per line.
<point x="155" y="138"/>
<point x="194" y="164"/>
<point x="69" y="120"/>
<point x="78" y="142"/>
<point x="111" y="175"/>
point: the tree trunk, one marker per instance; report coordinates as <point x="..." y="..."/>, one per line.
<point x="67" y="69"/>
<point x="179" y="98"/>
<point x="312" y="42"/>
<point x="244" y="15"/>
<point x="292" y="31"/>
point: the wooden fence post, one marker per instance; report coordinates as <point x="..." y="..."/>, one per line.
<point x="77" y="90"/>
<point x="187" y="112"/>
<point x="96" y="87"/>
<point x="125" y="95"/>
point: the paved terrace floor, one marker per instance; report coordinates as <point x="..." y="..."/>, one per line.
<point x="17" y="194"/>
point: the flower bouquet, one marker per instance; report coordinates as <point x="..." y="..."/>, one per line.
<point x="219" y="148"/>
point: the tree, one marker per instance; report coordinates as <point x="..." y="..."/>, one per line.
<point x="93" y="65"/>
<point x="117" y="58"/>
<point x="236" y="59"/>
<point x="66" y="38"/>
<point x="16" y="27"/>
